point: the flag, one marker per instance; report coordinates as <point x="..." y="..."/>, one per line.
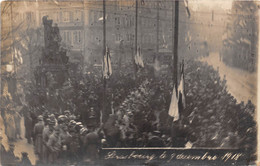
<point x="174" y="109"/>
<point x="187" y="8"/>
<point x="181" y="87"/>
<point x="138" y="59"/>
<point x="101" y="18"/>
<point x="18" y="56"/>
<point x="107" y="67"/>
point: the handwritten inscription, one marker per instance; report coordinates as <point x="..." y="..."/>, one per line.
<point x="172" y="156"/>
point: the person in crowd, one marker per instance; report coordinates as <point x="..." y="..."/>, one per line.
<point x="47" y="131"/>
<point x="54" y="145"/>
<point x="10" y="125"/>
<point x="17" y="120"/>
<point x="38" y="131"/>
<point x="111" y="131"/>
<point x="10" y="158"/>
<point x="25" y="161"/>
<point x="28" y="125"/>
<point x="91" y="144"/>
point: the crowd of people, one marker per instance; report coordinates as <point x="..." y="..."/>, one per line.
<point x="138" y="117"/>
<point x="62" y="138"/>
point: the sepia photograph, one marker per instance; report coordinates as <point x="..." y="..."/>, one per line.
<point x="129" y="82"/>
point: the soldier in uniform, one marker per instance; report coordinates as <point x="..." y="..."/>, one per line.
<point x="54" y="144"/>
<point x="92" y="143"/>
<point x="28" y="125"/>
<point x="47" y="131"/>
<point x="38" y="130"/>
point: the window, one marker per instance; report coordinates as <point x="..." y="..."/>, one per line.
<point x="77" y="15"/>
<point x="66" y="37"/>
<point x="128" y="37"/>
<point x="117" y="20"/>
<point x="128" y="21"/>
<point x="77" y="37"/>
<point x="57" y="16"/>
<point x="118" y="37"/>
<point x="65" y="16"/>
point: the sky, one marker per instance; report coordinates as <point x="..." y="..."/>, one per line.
<point x="197" y="5"/>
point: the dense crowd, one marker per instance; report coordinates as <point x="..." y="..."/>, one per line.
<point x="136" y="117"/>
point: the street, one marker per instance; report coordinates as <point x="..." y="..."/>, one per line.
<point x="20" y="145"/>
<point x="241" y="84"/>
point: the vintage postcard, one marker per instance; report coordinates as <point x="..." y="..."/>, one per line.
<point x="129" y="82"/>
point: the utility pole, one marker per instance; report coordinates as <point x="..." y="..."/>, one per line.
<point x="104" y="53"/>
<point x="175" y="30"/>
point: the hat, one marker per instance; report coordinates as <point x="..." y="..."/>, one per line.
<point x="78" y="123"/>
<point x="40" y="118"/>
<point x="66" y="111"/>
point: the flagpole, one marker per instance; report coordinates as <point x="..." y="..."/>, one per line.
<point x="104" y="53"/>
<point x="175" y="43"/>
<point x="136" y="33"/>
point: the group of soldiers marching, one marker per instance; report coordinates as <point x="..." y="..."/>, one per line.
<point x="63" y="140"/>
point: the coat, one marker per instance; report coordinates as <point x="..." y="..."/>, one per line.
<point x="10" y="126"/>
<point x="28" y="126"/>
<point x="54" y="145"/>
<point x="38" y="131"/>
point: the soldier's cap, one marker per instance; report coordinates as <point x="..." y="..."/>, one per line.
<point x="78" y="123"/>
<point x="72" y="123"/>
<point x="66" y="111"/>
<point x="83" y="130"/>
<point x="156" y="132"/>
<point x="62" y="117"/>
<point x="40" y="118"/>
<point x="52" y="116"/>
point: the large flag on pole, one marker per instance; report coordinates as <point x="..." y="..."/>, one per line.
<point x="138" y="58"/>
<point x="174" y="109"/>
<point x="181" y="87"/>
<point x="107" y="67"/>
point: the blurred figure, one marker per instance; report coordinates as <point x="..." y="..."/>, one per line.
<point x="54" y="144"/>
<point x="10" y="158"/>
<point x="17" y="120"/>
<point x="10" y="126"/>
<point x="47" y="131"/>
<point x="38" y="131"/>
<point x="92" y="143"/>
<point x="25" y="160"/>
<point x="28" y="126"/>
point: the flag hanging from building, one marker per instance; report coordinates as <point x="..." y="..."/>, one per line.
<point x="138" y="58"/>
<point x="187" y="8"/>
<point x="107" y="67"/>
<point x="174" y="109"/>
<point x="181" y="87"/>
<point x="18" y="56"/>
